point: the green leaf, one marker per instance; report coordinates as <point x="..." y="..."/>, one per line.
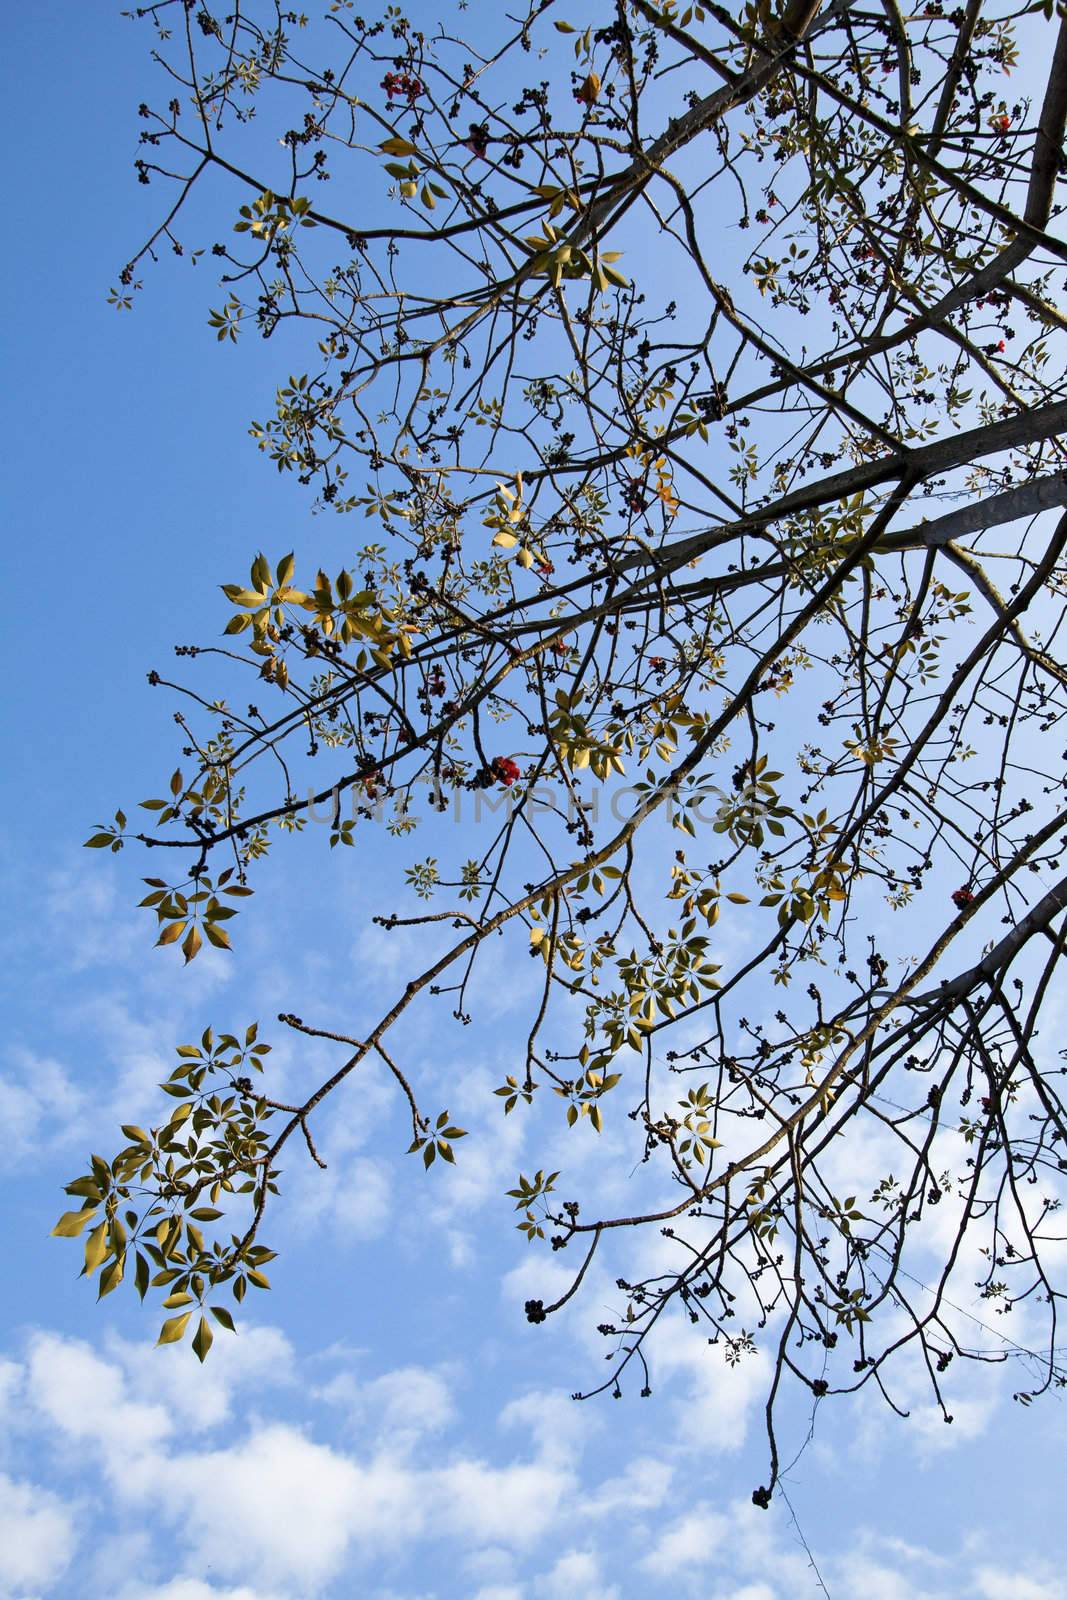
<point x="223" y="1317"/>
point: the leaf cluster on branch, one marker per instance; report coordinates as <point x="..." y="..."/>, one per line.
<point x="700" y="373"/>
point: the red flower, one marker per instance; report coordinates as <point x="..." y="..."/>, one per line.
<point x="962" y="898"/>
<point x="1000" y="346"/>
<point x="505" y="770"/>
<point x="402" y="83"/>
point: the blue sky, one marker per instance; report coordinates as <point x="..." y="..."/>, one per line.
<point x="386" y="1422"/>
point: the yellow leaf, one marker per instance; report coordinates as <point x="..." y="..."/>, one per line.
<point x="95" y="1248"/>
<point x="173" y="1328"/>
<point x="71" y="1223"/>
<point x="202" y="1339"/>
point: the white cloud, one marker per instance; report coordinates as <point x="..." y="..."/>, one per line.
<point x="37" y="1538"/>
<point x="538" y="1277"/>
<point x="396" y="1409"/>
<point x="303" y="1507"/>
<point x="96" y="889"/>
<point x="354" y="1195"/>
<point x="88" y="1399"/>
<point x="995" y="1583"/>
<point x="38" y="1105"/>
<point x="875" y="1581"/>
<point x="488" y="1159"/>
<point x="719" y="1400"/>
<point x="515" y="1504"/>
<point x="266" y="1511"/>
<point x="557" y="1424"/>
<point x="298" y="1506"/>
<point x="461" y="1249"/>
<point x="643" y="1486"/>
<point x="252" y="1357"/>
<point x="750" y="1591"/>
<point x="689" y="1541"/>
<point x="11" y="1377"/>
<point x="192" y="1589"/>
<point x="577" y="1575"/>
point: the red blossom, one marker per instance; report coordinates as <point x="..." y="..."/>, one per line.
<point x="402" y="83"/>
<point x="505" y="770"/>
<point x="962" y="898"/>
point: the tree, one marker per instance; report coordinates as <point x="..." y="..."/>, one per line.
<point x="686" y="363"/>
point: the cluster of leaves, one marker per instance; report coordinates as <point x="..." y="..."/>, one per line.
<point x="152" y="1202"/>
<point x="696" y="540"/>
<point x="437" y="1141"/>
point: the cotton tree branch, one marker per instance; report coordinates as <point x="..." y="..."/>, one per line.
<point x="1024" y="500"/>
<point x="995" y="962"/>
